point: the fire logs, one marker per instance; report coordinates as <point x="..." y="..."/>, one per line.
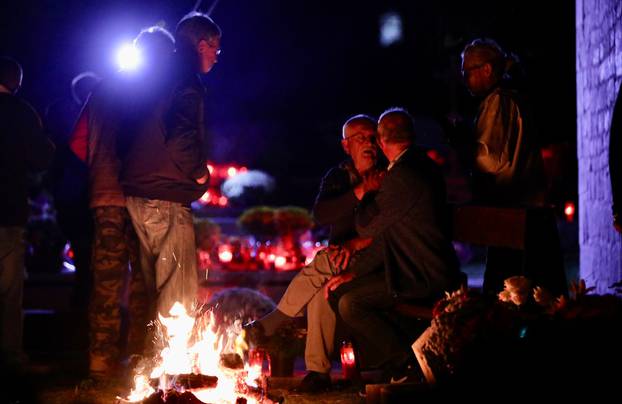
<point x="172" y="396"/>
<point x="193" y="381"/>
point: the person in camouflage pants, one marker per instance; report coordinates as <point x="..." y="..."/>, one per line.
<point x="115" y="257"/>
<point x="115" y="264"/>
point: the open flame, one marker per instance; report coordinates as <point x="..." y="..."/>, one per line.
<point x="194" y="346"/>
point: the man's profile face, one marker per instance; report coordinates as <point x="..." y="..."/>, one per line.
<point x="476" y="74"/>
<point x="360" y="144"/>
<point x="208" y="50"/>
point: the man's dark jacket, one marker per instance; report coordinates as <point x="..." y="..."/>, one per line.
<point x="162" y="138"/>
<point x="336" y="201"/>
<point x="23" y="148"/>
<point x="407" y="219"/>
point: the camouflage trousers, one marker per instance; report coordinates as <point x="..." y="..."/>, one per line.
<point x="118" y="284"/>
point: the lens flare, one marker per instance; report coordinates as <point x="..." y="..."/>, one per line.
<point x="128" y="57"/>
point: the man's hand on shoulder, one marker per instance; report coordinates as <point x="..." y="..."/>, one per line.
<point x="372" y="180"/>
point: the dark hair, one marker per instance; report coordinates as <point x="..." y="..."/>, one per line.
<point x="357" y="119"/>
<point x="402" y="129"/>
<point x="10" y="73"/>
<point x="488" y="51"/>
<point x="193" y="28"/>
<point x="155" y="42"/>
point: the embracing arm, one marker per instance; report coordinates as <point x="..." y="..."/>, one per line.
<point x="379" y="211"/>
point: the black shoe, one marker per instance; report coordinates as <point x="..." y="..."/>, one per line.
<point x="255" y="335"/>
<point x="314" y="382"/>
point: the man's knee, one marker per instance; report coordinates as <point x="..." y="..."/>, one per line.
<point x="347" y="307"/>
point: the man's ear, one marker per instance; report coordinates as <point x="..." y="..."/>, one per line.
<point x="202" y="46"/>
<point x="487" y="69"/>
<point x="346" y="148"/>
<point x="379" y="142"/>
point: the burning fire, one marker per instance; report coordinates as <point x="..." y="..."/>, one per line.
<point x="194" y="346"/>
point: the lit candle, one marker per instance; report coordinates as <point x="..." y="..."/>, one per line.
<point x="348" y="361"/>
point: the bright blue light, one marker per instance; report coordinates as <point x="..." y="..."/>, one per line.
<point x="128" y="57"/>
<point x="390" y="28"/>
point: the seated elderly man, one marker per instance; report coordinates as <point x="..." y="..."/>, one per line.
<point x="411" y="257"/>
<point x="340" y="192"/>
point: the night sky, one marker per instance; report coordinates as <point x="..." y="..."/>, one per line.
<point x="292" y="71"/>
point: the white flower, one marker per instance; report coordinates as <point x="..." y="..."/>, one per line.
<point x="517" y="284"/>
<point x="519" y="298"/>
<point x="542" y="296"/>
<point x="504" y="296"/>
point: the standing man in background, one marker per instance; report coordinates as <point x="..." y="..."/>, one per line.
<point x="23" y="149"/>
<point x="508" y="170"/>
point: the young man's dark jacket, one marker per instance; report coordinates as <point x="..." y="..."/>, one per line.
<point x="162" y="136"/>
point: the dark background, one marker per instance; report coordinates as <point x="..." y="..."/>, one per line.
<point x="292" y="71"/>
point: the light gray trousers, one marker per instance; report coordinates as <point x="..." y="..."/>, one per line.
<point x="305" y="290"/>
<point x="167" y="251"/>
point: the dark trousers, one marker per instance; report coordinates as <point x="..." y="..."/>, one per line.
<point x="365" y="305"/>
<point x="541" y="260"/>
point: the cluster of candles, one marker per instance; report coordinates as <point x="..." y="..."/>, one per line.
<point x="244" y="254"/>
<point x="218" y="175"/>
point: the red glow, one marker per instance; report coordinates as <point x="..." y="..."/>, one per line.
<point x="280" y="261"/>
<point x="569" y="211"/>
<point x="206" y="198"/>
<point x="243" y="170"/>
<point x="222" y="201"/>
<point x="436" y="157"/>
<point x="348" y="361"/>
<point x="546" y="153"/>
<point x="347" y="356"/>
<point x="231" y="171"/>
<point x="224" y="254"/>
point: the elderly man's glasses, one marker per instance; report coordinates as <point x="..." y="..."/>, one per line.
<point x="362" y="138"/>
<point x="467" y="70"/>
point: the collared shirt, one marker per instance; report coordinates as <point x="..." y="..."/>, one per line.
<point x="396" y="159"/>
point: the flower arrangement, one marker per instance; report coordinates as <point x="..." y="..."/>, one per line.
<point x="290" y="219"/>
<point x="258" y="221"/>
<point x="267" y="221"/>
<point x="524" y="335"/>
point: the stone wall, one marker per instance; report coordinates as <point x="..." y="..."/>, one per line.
<point x="599" y="72"/>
